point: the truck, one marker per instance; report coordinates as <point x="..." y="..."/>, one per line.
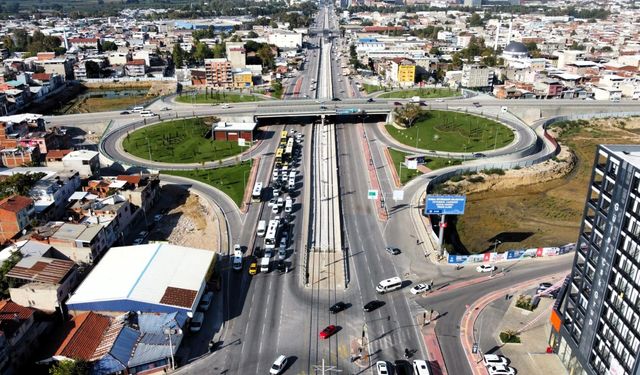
<point x="264" y="264"/>
<point x="415" y="99"/>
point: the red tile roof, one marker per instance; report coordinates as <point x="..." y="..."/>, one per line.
<point x="178" y="297"/>
<point x="84" y="337"/>
<point x="41" y="76"/>
<point x="15" y="203"/>
<point x="136" y="62"/>
<point x="83" y="40"/>
<point x="12" y="316"/>
<point x="57" y="154"/>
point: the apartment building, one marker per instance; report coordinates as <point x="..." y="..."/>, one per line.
<point x="596" y="319"/>
<point x="476" y="76"/>
<point x="218" y="72"/>
<point x="15" y="215"/>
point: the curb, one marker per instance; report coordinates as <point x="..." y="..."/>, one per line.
<point x="373" y="174"/>
<point x="434" y="350"/>
<point x="394" y="172"/>
<point x="250" y="182"/>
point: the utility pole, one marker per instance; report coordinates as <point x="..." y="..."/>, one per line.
<point x="324" y="369"/>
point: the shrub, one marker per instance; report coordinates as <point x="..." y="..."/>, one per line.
<point x="509" y="336"/>
<point x="457" y="178"/>
<point x="491" y="171"/>
<point x="476" y="179"/>
<point x="524" y="302"/>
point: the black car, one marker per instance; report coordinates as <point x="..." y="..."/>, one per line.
<point x="282" y="267"/>
<point x="370" y="100"/>
<point x="336" y="100"/>
<point x="370" y="306"/>
<point x="337" y="307"/>
<point x="125" y="112"/>
<point x="479" y="155"/>
<point x="392" y="250"/>
<point x="403" y="367"/>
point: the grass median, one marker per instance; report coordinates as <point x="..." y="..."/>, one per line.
<point x="406" y="174"/>
<point x="216" y="98"/>
<point x="179" y="141"/>
<point x="424" y="93"/>
<point x="231" y="180"/>
<point x="453" y="132"/>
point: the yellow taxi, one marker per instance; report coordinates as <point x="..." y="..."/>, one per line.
<point x="253" y="268"/>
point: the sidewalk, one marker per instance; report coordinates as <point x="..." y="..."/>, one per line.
<point x="434" y="352"/>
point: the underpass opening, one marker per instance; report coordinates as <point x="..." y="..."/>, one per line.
<point x="316" y="119"/>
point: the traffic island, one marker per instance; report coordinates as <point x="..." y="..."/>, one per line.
<point x="359" y="353"/>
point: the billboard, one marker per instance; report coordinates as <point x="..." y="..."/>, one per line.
<point x="445" y="204"/>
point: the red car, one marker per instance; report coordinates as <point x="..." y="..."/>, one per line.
<point x="327" y="332"/>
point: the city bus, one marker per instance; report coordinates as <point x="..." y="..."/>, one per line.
<point x="288" y="151"/>
<point x="256" y="196"/>
<point x="279" y="153"/>
<point x="272" y="234"/>
<point x="283" y="135"/>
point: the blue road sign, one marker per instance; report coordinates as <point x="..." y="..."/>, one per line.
<point x="445" y="204"/>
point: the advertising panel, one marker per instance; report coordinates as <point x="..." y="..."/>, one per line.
<point x="445" y="204"/>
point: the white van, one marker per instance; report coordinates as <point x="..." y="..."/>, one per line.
<point x="421" y="367"/>
<point x="262" y="228"/>
<point x="147" y="114"/>
<point x="288" y="205"/>
<point x="196" y="322"/>
<point x="389" y="285"/>
<point x="137" y="109"/>
<point x="237" y="260"/>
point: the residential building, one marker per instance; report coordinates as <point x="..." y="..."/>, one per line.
<point x="86" y="162"/>
<point x="218" y="72"/>
<point x="142" y="191"/>
<point x="16" y="213"/>
<point x="82" y="243"/>
<point x="595" y="319"/>
<point x="236" y="54"/>
<point x="403" y="71"/>
<point x="41" y="282"/>
<point x="84" y="43"/>
<point x="476" y="76"/>
<point x="154" y="278"/>
<point x="21" y="331"/>
<point x="60" y="66"/>
<point x="242" y="78"/>
<point x="20" y="156"/>
<point x="124" y="344"/>
<point x="606" y="93"/>
<point x="51" y="194"/>
<point x="135" y="68"/>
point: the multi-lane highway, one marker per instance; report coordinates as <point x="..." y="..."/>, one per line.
<point x="276" y="313"/>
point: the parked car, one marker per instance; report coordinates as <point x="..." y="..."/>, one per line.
<point x="370" y="100"/>
<point x="486" y="268"/>
<point x="373" y="305"/>
<point x="392" y="250"/>
<point x="337" y="307"/>
<point x="490" y="360"/>
<point x="205" y="301"/>
<point x="501" y="370"/>
<point x="381" y="368"/>
<point x="479" y="155"/>
<point x="328" y="331"/>
<point x="543" y="287"/>
<point x="403" y="367"/>
<point x="420" y="288"/>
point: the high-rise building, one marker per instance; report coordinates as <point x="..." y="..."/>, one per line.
<point x="473" y="3"/>
<point x="596" y="319"/>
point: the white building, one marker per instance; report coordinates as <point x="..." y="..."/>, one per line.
<point x="84" y="161"/>
<point x="285" y="39"/>
<point x="606" y="93"/>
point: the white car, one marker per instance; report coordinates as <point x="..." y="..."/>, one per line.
<point x="486" y="268"/>
<point x="420" y="288"/>
<point x="501" y="370"/>
<point x="381" y="367"/>
<point x="280" y="202"/>
<point x="237" y="248"/>
<point x="226" y="106"/>
<point x="279" y="365"/>
<point x="439" y="100"/>
<point x="275" y="209"/>
<point x="491" y="360"/>
<point x="272" y="203"/>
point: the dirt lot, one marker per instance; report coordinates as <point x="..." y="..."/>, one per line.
<point x="540" y="214"/>
<point x="189" y="221"/>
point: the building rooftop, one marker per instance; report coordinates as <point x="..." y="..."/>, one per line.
<point x="15" y="203"/>
<point x="41" y="269"/>
<point x="628" y="153"/>
<point x="234" y="126"/>
<point x="81" y="155"/>
<point x="153" y="277"/>
<point x="85" y="333"/>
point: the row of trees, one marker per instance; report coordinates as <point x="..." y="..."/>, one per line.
<point x="263" y="54"/>
<point x="38" y="42"/>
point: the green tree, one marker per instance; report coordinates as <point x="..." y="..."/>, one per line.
<point x="252" y="34"/>
<point x="109" y="46"/>
<point x="435" y="51"/>
<point x="266" y="55"/>
<point x="70" y="367"/>
<point x="407" y="114"/>
<point x="202" y="52"/>
<point x="475" y="20"/>
<point x="178" y="55"/>
<point x="219" y="50"/>
<point x="6" y="266"/>
<point x="93" y="69"/>
<point x="277" y="88"/>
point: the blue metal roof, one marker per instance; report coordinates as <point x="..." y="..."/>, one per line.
<point x="107" y="365"/>
<point x="157" y="323"/>
<point x="367" y="40"/>
<point x="123" y="346"/>
<point x="154" y="348"/>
